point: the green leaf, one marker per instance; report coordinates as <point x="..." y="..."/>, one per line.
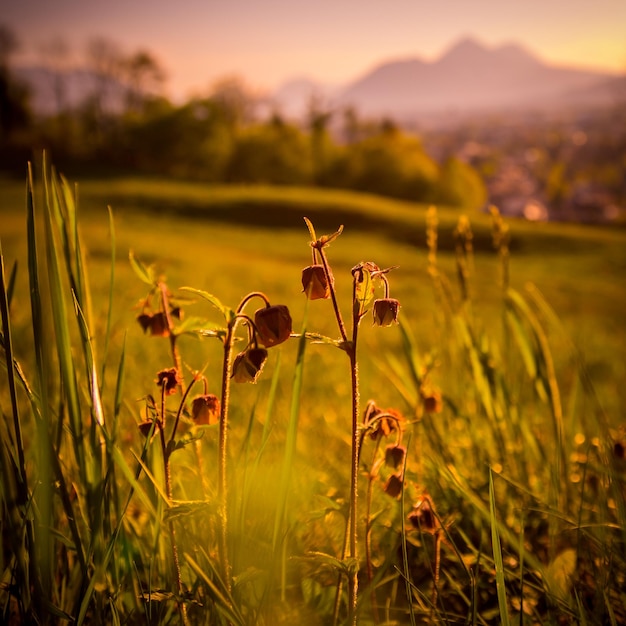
<point x="144" y="272"/>
<point x="187" y="508"/>
<point x="497" y="555"/>
<point x="560" y="573"/>
<point x="309" y="225"/>
<point x="197" y="325"/>
<point x="363" y="286"/>
<point x="226" y="311"/>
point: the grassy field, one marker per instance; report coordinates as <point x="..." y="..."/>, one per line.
<point x="512" y="400"/>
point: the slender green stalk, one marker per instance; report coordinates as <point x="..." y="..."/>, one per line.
<point x="222" y="478"/>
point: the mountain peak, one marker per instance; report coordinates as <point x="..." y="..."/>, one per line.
<point x="467" y="46"/>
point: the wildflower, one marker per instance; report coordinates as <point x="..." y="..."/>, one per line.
<point x="145" y="321"/>
<point x="394" y="456"/>
<point x="158" y="325"/>
<point x="423" y="515"/>
<point x="248" y="365"/>
<point x="432" y="401"/>
<point x="386" y="311"/>
<point x="381" y="423"/>
<point x="169" y="380"/>
<point x="205" y="409"/>
<point x="273" y="324"/>
<point x="315" y="283"/>
<point x="146" y="426"/>
<point x="393" y="486"/>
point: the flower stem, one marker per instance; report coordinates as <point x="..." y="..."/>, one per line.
<point x="222" y="482"/>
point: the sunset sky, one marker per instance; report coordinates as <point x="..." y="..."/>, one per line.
<point x="266" y="42"/>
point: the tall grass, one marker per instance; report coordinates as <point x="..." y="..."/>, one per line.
<point x="492" y="490"/>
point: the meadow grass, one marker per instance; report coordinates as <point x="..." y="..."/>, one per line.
<point x="511" y="502"/>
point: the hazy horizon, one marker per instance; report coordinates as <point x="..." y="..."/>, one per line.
<point x="267" y="42"/>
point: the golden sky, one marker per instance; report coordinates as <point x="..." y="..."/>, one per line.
<point x="269" y="41"/>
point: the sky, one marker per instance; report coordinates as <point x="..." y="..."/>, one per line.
<point x="266" y="42"/>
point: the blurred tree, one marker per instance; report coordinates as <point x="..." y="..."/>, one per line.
<point x="143" y="76"/>
<point x="391" y="163"/>
<point x="55" y="56"/>
<point x="273" y="153"/>
<point x="461" y="185"/>
<point x="323" y="148"/>
<point x="15" y="114"/>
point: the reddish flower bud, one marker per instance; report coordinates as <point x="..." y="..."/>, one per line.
<point x="205" y="409"/>
<point x="423" y="516"/>
<point x="145" y="321"/>
<point x="393" y="486"/>
<point x="159" y="326"/>
<point x="432" y="401"/>
<point x="146" y="426"/>
<point x="315" y="283"/>
<point x="386" y="311"/>
<point x="248" y="365"/>
<point x="381" y="426"/>
<point x="394" y="456"/>
<point x="169" y="379"/>
<point x="273" y="324"/>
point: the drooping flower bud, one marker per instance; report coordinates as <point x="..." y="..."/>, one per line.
<point x="159" y="326"/>
<point x="248" y="365"/>
<point x="273" y="324"/>
<point x="385" y="311"/>
<point x="147" y="425"/>
<point x="432" y="401"/>
<point x="205" y="409"/>
<point x="169" y="380"/>
<point x="394" y="456"/>
<point x="145" y="321"/>
<point x="393" y="486"/>
<point x="315" y="283"/>
<point x="423" y="516"/>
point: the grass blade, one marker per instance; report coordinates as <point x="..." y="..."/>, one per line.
<point x="497" y="555"/>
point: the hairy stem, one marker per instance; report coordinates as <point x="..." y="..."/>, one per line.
<point x="222" y="482"/>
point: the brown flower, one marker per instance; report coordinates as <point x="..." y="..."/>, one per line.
<point x="394" y="456"/>
<point x="423" y="515"/>
<point x="248" y="365"/>
<point x="385" y="311"/>
<point x="159" y="326"/>
<point x="314" y="282"/>
<point x="273" y="324"/>
<point x="145" y="321"/>
<point x="169" y="380"/>
<point x="146" y="426"/>
<point x="432" y="401"/>
<point x="381" y="426"/>
<point x="205" y="410"/>
<point x="393" y="486"/>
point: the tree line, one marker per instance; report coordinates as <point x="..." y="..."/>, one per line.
<point x="126" y="124"/>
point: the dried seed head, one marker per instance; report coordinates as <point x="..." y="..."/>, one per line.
<point x="386" y="311"/>
<point x="169" y="380"/>
<point x="248" y="365"/>
<point x="394" y="456"/>
<point x="205" y="409"/>
<point x="273" y="324"/>
<point x="314" y="282"/>
<point x="393" y="485"/>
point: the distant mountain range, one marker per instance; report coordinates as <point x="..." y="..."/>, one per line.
<point x="469" y="77"/>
